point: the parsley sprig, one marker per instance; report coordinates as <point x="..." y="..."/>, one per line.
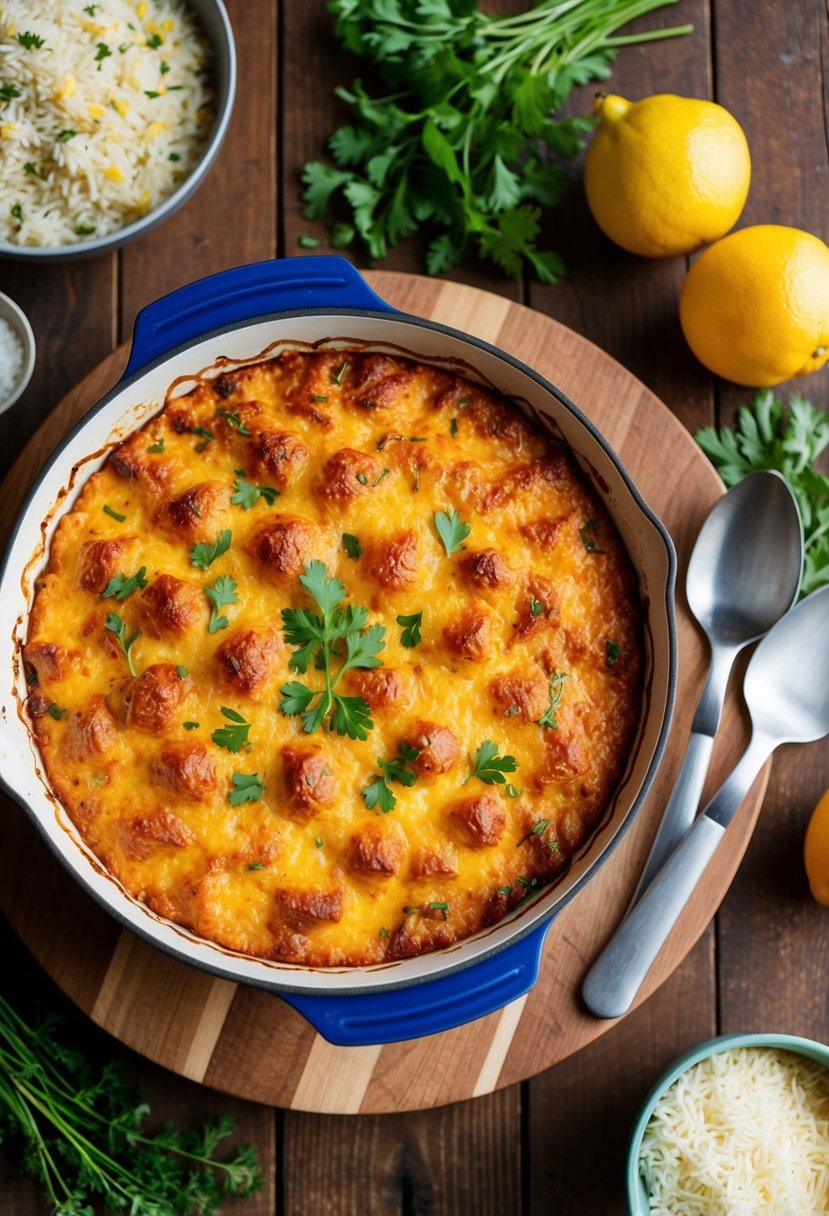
<point x="452" y="123"/>
<point x="204" y="554"/>
<point x="788" y="438"/>
<point x="378" y="793"/>
<point x="489" y="767"/>
<point x="83" y="1133"/>
<point x="122" y="586"/>
<point x="319" y="638"/>
<point x="452" y="530"/>
<point x="246" y="788"/>
<point x="411" y="635"/>
<point x="247" y="495"/>
<point x="235" y="736"/>
<point x="221" y="594"/>
<point x="557" y="681"/>
<point x="115" y="624"/>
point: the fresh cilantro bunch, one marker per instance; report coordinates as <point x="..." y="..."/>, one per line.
<point x="771" y="435"/>
<point x="82" y="1135"/>
<point x="336" y="634"/>
<point x="452" y="124"/>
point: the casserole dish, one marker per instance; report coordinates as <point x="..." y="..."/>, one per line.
<point x="236" y="317"/>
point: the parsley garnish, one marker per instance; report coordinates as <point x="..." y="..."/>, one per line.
<point x="233" y="420"/>
<point x="164" y="67"/>
<point x="116" y="625"/>
<point x="453" y="427"/>
<point x="8" y="92"/>
<point x="234" y="737"/>
<point x="174" y="156"/>
<point x="56" y="712"/>
<point x="114" y="514"/>
<point x="121" y="587"/>
<point x="317" y="640"/>
<point x="319" y="397"/>
<point x="411" y="636"/>
<point x="151" y="93"/>
<point x="536" y="607"/>
<point x="363" y="480"/>
<point x="507" y="890"/>
<point x="103" y="53"/>
<point x="90" y="8"/>
<point x="612" y="650"/>
<point x="81" y="1128"/>
<point x="154" y="41"/>
<point x="557" y="681"/>
<point x="489" y="767"/>
<point x="191" y="725"/>
<point x="352" y="545"/>
<point x="536" y="830"/>
<point x="452" y="530"/>
<point x="383" y="473"/>
<point x="30" y="41"/>
<point x="205" y="554"/>
<point x="247" y="495"/>
<point x="337" y="376"/>
<point x="587" y="532"/>
<point x="788" y="438"/>
<point x="221" y="594"/>
<point x="246" y="788"/>
<point x="17" y="211"/>
<point x="65" y="136"/>
<point x="206" y="434"/>
<point x="33" y="171"/>
<point x="84" y="230"/>
<point x="450" y="122"/>
<point x="378" y="792"/>
<point x="182" y="671"/>
<point x="512" y="792"/>
<point x="256" y="865"/>
<point x="158" y="446"/>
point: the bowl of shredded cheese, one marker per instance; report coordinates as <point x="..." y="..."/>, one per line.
<point x="739" y="1126"/>
<point x="111" y="115"/>
<point x="17" y="351"/>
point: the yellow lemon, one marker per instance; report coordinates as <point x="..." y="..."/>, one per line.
<point x="666" y="174"/>
<point x="754" y="308"/>
<point x="816" y="851"/>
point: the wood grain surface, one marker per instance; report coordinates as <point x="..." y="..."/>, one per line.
<point x="555" y="1143"/>
<point x="234" y="1038"/>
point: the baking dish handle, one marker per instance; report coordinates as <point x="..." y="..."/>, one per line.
<point x="416" y="1010"/>
<point x="245" y="292"/>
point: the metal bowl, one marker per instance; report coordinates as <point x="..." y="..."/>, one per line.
<point x="215" y="24"/>
<point x="638" y="1200"/>
<point x="322" y="302"/>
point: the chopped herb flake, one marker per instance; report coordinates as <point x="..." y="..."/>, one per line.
<point x="612" y="652"/>
<point x="158" y="446"/>
<point x="55" y="712"/>
<point x="65" y="136"/>
<point x="191" y="725"/>
<point x="557" y="681"/>
<point x="337" y="376"/>
<point x="30" y="41"/>
<point x="352" y="545"/>
<point x="108" y="510"/>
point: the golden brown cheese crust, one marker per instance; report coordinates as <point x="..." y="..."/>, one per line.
<point x="371" y="446"/>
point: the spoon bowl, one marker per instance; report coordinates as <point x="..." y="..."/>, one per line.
<point x="743" y="575"/>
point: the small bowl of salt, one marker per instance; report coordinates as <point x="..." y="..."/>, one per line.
<point x="17" y="352"/>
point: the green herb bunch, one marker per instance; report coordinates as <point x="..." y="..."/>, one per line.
<point x="82" y="1135"/>
<point x="453" y="126"/>
<point x="771" y="435"/>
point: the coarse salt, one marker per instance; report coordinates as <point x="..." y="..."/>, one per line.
<point x="11" y="359"/>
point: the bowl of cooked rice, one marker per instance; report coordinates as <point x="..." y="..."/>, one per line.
<point x="111" y="115"/>
<point x="736" y="1126"/>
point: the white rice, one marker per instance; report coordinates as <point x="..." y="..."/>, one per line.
<point x="104" y="111"/>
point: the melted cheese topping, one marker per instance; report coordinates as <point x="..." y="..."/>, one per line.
<point x="370" y="447"/>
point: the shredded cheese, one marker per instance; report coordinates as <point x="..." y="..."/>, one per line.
<point x="742" y="1133"/>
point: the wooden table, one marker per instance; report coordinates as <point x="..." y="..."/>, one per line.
<point x="556" y="1142"/>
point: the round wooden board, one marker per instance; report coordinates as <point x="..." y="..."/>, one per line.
<point x="250" y="1044"/>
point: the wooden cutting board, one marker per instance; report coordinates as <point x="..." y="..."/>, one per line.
<point x="249" y="1043"/>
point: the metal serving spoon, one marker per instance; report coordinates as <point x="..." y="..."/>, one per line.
<point x="787" y="694"/>
<point x="743" y="575"/>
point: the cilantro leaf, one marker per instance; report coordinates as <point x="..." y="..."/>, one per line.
<point x="121" y="587"/>
<point x="204" y="554"/>
<point x="452" y="530"/>
<point x="246" y="788"/>
<point x="489" y="767"/>
<point x="411" y="636"/>
<point x="221" y="594"/>
<point x="235" y="736"/>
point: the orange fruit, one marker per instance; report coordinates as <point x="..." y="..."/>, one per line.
<point x="816" y="851"/>
<point x="666" y="174"/>
<point x="754" y="308"/>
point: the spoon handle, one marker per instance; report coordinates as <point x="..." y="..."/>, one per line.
<point x="680" y="810"/>
<point x="617" y="974"/>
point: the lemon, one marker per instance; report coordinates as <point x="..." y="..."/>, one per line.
<point x="816" y="851"/>
<point x="666" y="174"/>
<point x="754" y="308"/>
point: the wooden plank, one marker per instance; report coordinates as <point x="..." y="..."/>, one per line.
<point x="455" y="1160"/>
<point x="231" y="219"/>
<point x="581" y="1113"/>
<point x="773" y="938"/>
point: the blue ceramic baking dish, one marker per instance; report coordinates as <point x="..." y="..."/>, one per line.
<point x="234" y="317"/>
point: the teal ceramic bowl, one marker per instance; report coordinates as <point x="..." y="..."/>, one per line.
<point x="637" y="1193"/>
